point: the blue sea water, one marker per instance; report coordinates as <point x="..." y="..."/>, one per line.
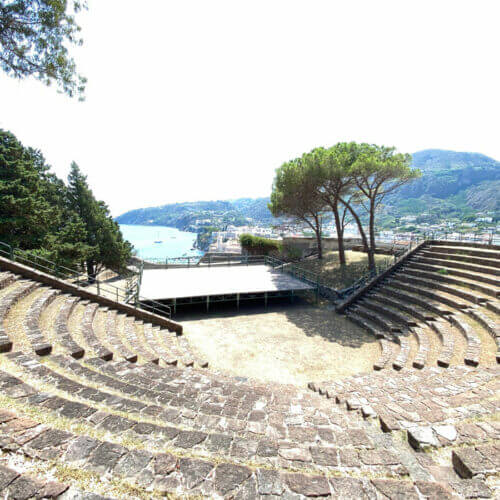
<point x="174" y="243"/>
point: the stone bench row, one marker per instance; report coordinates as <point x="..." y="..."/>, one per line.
<point x="7" y="302"/>
<point x="408" y="398"/>
<point x="164" y="473"/>
<point x="249" y="436"/>
<point x="374" y="462"/>
<point x="177" y="349"/>
<point x="16" y="484"/>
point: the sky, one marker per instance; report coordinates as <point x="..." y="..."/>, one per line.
<point x="201" y="100"/>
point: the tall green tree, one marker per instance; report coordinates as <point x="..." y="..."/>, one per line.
<point x="294" y="195"/>
<point x="107" y="248"/>
<point x="378" y="171"/>
<point x="25" y="214"/>
<point x="333" y="182"/>
<point x="34" y="39"/>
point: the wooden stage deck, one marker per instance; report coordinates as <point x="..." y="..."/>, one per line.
<point x="183" y="283"/>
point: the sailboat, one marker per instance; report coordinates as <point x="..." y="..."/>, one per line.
<point x="158" y="238"/>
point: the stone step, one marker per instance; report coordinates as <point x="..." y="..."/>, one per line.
<point x="478" y="273"/>
<point x="492" y="326"/>
<point x="16" y="484"/>
<point x="385" y="345"/>
<point x="473" y="351"/>
<point x="139" y="347"/>
<point x="466" y="244"/>
<point x="87" y="329"/>
<point x="165" y="355"/>
<point x="404" y="302"/>
<point x="369" y="309"/>
<point x="186" y="476"/>
<point x="466" y="251"/>
<point x="423" y="347"/>
<point x="405" y="293"/>
<point x="472" y="461"/>
<point x="114" y="338"/>
<point x="431" y="272"/>
<point x="485" y="263"/>
<point x="428" y="289"/>
<point x="7" y="302"/>
<point x="433" y="281"/>
<point x="171" y="343"/>
<point x="447" y="335"/>
<point x="392" y="309"/>
<point x="6" y="279"/>
<point x="493" y="306"/>
<point x="64" y="336"/>
<point x="32" y="322"/>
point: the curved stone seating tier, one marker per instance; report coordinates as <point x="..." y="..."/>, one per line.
<point x="16" y="484"/>
<point x="139" y="346"/>
<point x="462" y="283"/>
<point x="412" y="398"/>
<point x="471" y="250"/>
<point x="8" y="301"/>
<point x="114" y="339"/>
<point x="443" y="328"/>
<point x="87" y="329"/>
<point x="419" y="301"/>
<point x="6" y="279"/>
<point x="64" y="336"/>
<point x="485" y="263"/>
<point x="32" y="320"/>
<point x="165" y="355"/>
<point x="164" y="473"/>
<point x="451" y="263"/>
<point x="475" y="278"/>
<point x="385" y="345"/>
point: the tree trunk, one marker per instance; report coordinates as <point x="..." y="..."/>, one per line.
<point x="371" y="253"/>
<point x="91" y="271"/>
<point x="340" y="234"/>
<point x="367" y="247"/>
<point x="319" y="243"/>
<point x="372" y="225"/>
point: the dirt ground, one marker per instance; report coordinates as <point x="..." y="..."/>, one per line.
<point x="291" y="344"/>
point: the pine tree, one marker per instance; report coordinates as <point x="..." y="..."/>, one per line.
<point x="106" y="246"/>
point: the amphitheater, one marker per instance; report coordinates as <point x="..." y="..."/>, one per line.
<point x="103" y="400"/>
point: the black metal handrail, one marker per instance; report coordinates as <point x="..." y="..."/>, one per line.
<point x="129" y="295"/>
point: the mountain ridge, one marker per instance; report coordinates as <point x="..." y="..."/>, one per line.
<point x="466" y="181"/>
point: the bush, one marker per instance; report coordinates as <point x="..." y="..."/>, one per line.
<point x="255" y="245"/>
<point x="443" y="271"/>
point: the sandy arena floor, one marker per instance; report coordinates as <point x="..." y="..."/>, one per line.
<point x="287" y="344"/>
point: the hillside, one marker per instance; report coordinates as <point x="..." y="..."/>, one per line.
<point x="186" y="216"/>
<point x="453" y="184"/>
<point x="446" y="173"/>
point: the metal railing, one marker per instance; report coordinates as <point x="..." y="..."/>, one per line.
<point x="130" y="294"/>
<point x="379" y="269"/>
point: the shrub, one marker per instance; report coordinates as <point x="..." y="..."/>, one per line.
<point x="443" y="271"/>
<point x="255" y="245"/>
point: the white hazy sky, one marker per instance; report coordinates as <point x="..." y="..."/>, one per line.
<point x="198" y="100"/>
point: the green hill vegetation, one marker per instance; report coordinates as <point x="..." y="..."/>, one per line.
<point x="453" y="184"/>
<point x="190" y="216"/>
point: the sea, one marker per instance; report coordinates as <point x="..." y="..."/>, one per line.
<point x="160" y="242"/>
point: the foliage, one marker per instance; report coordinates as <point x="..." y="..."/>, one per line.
<point x="34" y="35"/>
<point x="39" y="213"/>
<point x="255" y="245"/>
<point x="184" y="216"/>
<point x="294" y="195"/>
<point x="104" y="239"/>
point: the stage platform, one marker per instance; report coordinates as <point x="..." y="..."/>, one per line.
<point x="182" y="286"/>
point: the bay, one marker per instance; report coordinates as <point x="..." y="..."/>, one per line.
<point x="173" y="242"/>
